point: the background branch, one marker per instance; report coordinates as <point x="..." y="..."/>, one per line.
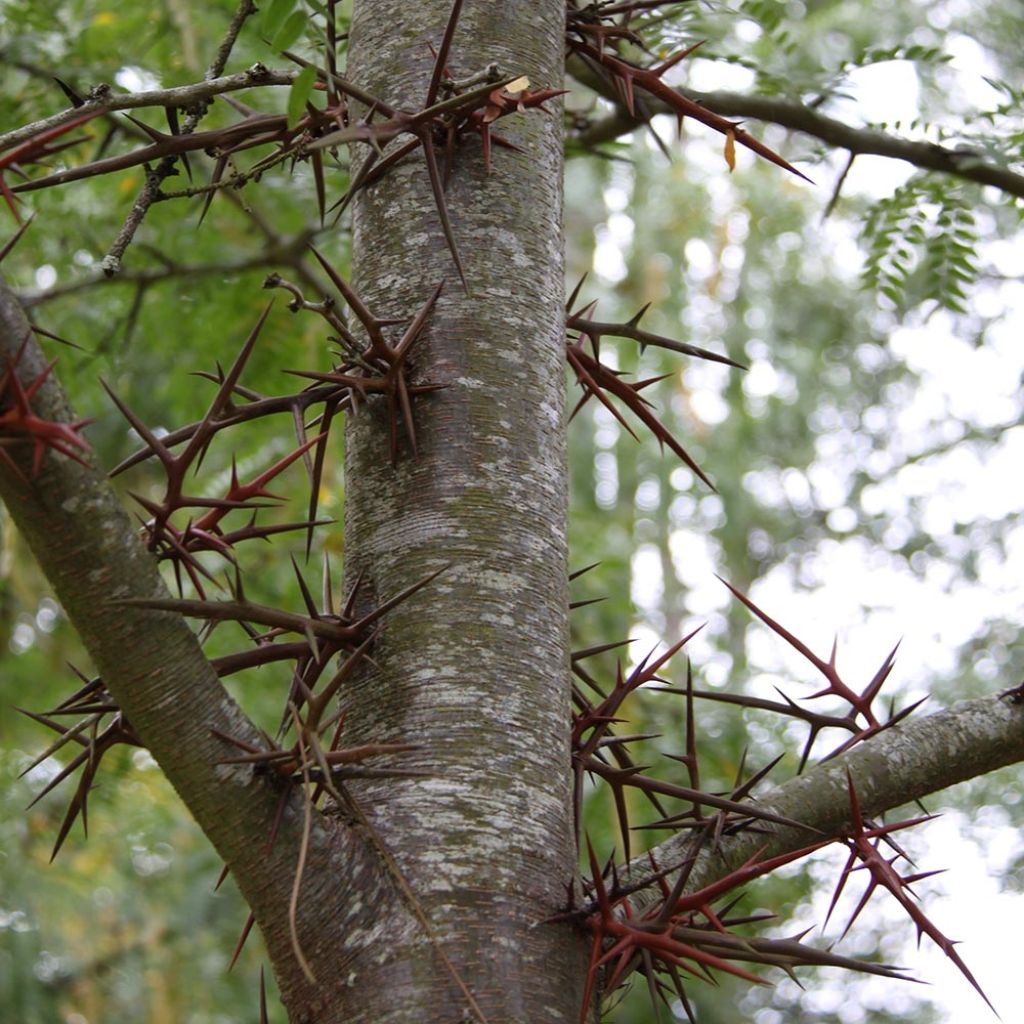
<point x="798" y="117"/>
<point x="151" y="188"/>
<point x="284" y="253"/>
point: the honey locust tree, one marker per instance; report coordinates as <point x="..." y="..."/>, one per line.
<point x="406" y="830"/>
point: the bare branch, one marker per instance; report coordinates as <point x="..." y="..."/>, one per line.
<point x="151" y="662"/>
<point x="799" y="117"/>
<point x="104" y="100"/>
<point x="151" y="188"/>
<point x="266" y="258"/>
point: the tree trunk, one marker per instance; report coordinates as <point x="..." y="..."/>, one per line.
<point x="474" y="668"/>
<point x="425" y="899"/>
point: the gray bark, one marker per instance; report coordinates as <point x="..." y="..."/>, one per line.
<point x="898" y="766"/>
<point x="88" y="548"/>
<point x="474" y="668"/>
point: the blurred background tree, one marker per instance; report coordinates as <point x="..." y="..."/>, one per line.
<point x="867" y="462"/>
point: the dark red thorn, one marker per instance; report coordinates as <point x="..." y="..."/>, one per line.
<point x="200" y="439"/>
<point x="441" y="59"/>
<point x="15" y="238"/>
<point x="318" y="181"/>
<point x="672" y="61"/>
<point x="437" y="187"/>
<point x="571" y="301"/>
<point x="41" y="332"/>
<point x="371" y="617"/>
<point x="218" y="172"/>
<point x="579" y="572"/>
<point x="350" y="602"/>
<point x="246" y="928"/>
<point x="66" y="735"/>
<point x="316" y="472"/>
<point x="589" y="652"/>
<point x="307" y="597"/>
<point x="365" y="317"/>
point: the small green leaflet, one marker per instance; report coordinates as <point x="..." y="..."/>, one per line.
<point x="301" y="88"/>
<point x="289" y="32"/>
<point x="274" y="15"/>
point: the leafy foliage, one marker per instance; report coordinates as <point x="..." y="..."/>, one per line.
<point x="922" y="245"/>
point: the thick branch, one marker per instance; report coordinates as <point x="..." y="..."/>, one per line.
<point x="798" y="117"/>
<point x="900" y="765"/>
<point x="151" y="663"/>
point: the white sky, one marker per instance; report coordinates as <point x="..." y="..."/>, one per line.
<point x="959" y="382"/>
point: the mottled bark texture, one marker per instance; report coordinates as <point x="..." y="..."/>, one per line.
<point x="473" y="668"/>
<point x="89" y="549"/>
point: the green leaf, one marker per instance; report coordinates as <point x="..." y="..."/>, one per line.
<point x="274" y="16"/>
<point x="290" y="31"/>
<point x="299" y="94"/>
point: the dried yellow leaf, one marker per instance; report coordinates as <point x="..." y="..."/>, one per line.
<point x="730" y="149"/>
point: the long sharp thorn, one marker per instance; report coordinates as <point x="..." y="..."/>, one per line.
<point x="406" y="408"/>
<point x="15" y="238"/>
<point x="307" y="597"/>
<point x="246" y="928"/>
<point x="66" y="736"/>
<point x="200" y="439"/>
<point x="264" y="1019"/>
<point x="442" y="53"/>
<point x="579" y="572"/>
<point x="575" y="293"/>
<point x="437" y="187"/>
<point x="326" y="588"/>
<point x="372" y="617"/>
<point x="155" y="445"/>
<point x="413" y="330"/>
<point x="350" y="601"/>
<point x="218" y="172"/>
<point x="318" y="180"/>
<point x="222" y="877"/>
<point x="366" y="318"/>
<point x="317" y="472"/>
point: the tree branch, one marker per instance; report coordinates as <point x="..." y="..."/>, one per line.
<point x="798" y="117"/>
<point x="285" y="256"/>
<point x="153" y="666"/>
<point x="895" y="767"/>
<point x="103" y="100"/>
<point x="151" y="188"/>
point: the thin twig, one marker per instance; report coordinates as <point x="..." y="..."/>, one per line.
<point x="151" y="189"/>
<point x="307" y="821"/>
<point x="103" y="100"/>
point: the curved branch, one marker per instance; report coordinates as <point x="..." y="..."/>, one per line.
<point x="152" y="664"/>
<point x="798" y="117"/>
<point x="893" y="768"/>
